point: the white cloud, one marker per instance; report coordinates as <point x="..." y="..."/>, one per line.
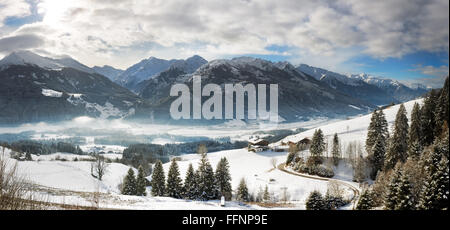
<point x="25" y="41"/>
<point x="122" y="32"/>
<point x="429" y="70"/>
<point x="436" y="75"/>
<point x="10" y="8"/>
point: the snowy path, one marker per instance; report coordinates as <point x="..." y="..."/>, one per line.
<point x="355" y="190"/>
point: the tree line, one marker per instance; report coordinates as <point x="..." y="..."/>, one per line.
<point x="410" y="165"/>
<point x="201" y="184"/>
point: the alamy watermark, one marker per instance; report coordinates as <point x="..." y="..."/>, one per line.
<point x="212" y="107"/>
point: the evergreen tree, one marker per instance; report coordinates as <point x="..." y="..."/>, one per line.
<point x="442" y="108"/>
<point x="129" y="183"/>
<point x="428" y="119"/>
<point x="377" y="157"/>
<point x="315" y="201"/>
<point x="336" y="150"/>
<point x="415" y="149"/>
<point x="223" y="179"/>
<point x="391" y="200"/>
<point x="372" y="131"/>
<point x="317" y="144"/>
<point x="141" y="182"/>
<point x="365" y="202"/>
<point x="290" y="158"/>
<point x="158" y="180"/>
<point x="190" y="184"/>
<point x="398" y="144"/>
<point x="436" y="190"/>
<point x="28" y="156"/>
<point x="206" y="186"/>
<point x="174" y="184"/>
<point x="242" y="191"/>
<point x="359" y="170"/>
<point x="414" y="134"/>
<point x="376" y="142"/>
<point x="404" y="194"/>
<point x="383" y="125"/>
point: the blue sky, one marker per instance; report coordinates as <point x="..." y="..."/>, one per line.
<point x="397" y="39"/>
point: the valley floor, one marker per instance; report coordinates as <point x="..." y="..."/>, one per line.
<point x="70" y="183"/>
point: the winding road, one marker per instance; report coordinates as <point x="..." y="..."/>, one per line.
<point x="355" y="190"/>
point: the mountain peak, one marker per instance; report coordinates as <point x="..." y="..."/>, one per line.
<point x="24" y="57"/>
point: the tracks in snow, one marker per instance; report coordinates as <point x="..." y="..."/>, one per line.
<point x="355" y="190"/>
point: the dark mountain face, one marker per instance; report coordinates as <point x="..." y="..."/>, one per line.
<point x="401" y="92"/>
<point x="300" y="96"/>
<point x="371" y="89"/>
<point x="108" y="71"/>
<point x="151" y="67"/>
<point x="361" y="90"/>
<point x="35" y="88"/>
<point x="29" y="93"/>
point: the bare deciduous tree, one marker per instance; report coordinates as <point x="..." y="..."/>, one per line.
<point x="334" y="189"/>
<point x="285" y="196"/>
<point x="99" y="167"/>
<point x="273" y="161"/>
<point x="14" y="191"/>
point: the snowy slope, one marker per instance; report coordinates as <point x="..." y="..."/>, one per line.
<point x="258" y="172"/>
<point x="353" y="129"/>
<point x="27" y="57"/>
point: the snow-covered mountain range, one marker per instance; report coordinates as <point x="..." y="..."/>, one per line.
<point x="36" y="88"/>
<point x="376" y="90"/>
<point x="300" y="96"/>
<point x="152" y="66"/>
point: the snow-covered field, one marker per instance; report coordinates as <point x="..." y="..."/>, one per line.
<point x="71" y="182"/>
<point x="258" y="171"/>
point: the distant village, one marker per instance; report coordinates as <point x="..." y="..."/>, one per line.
<point x="258" y="144"/>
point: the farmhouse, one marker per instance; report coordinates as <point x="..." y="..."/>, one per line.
<point x="258" y="145"/>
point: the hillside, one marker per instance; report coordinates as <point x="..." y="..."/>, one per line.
<point x="353" y="129"/>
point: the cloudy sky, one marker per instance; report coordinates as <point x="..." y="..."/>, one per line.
<point x="402" y="39"/>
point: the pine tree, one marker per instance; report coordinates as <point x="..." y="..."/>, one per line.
<point x="129" y="184"/>
<point x="365" y="202"/>
<point x="398" y="144"/>
<point x="317" y="145"/>
<point x="158" y="180"/>
<point x="383" y="125"/>
<point x="336" y="150"/>
<point x="414" y="133"/>
<point x="223" y="179"/>
<point x="141" y="182"/>
<point x="28" y="156"/>
<point x="190" y="184"/>
<point x="428" y="119"/>
<point x="376" y="142"/>
<point x="436" y="190"/>
<point x="378" y="127"/>
<point x="242" y="191"/>
<point x="359" y="172"/>
<point x="174" y="186"/>
<point x="197" y="191"/>
<point x="207" y="186"/>
<point x="404" y="194"/>
<point x="391" y="200"/>
<point x="415" y="149"/>
<point x="372" y="131"/>
<point x="442" y="108"/>
<point x="315" y="201"/>
<point x="377" y="157"/>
